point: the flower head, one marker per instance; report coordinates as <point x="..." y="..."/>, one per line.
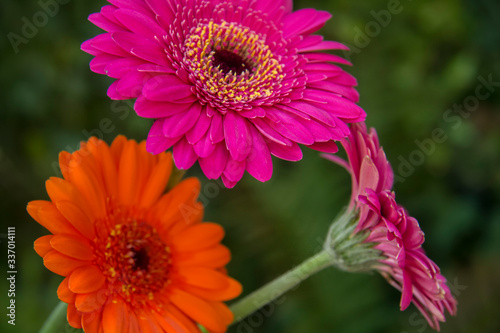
<point x="393" y="231"/>
<point x="134" y="259"/>
<point x="229" y="83"/>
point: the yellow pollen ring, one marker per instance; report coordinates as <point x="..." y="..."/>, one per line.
<point x="223" y="88"/>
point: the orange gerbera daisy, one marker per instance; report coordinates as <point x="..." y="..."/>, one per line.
<point x="135" y="259"/>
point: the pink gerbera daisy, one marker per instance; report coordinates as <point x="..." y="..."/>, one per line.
<point x="228" y="82"/>
<point x="396" y="234"/>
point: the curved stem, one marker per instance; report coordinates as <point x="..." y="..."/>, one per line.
<point x="280" y="285"/>
<point x="55" y="319"/>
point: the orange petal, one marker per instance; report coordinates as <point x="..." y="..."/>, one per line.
<point x="147" y="324"/>
<point x="86" y="279"/>
<point x="157" y="181"/>
<point x="85" y="180"/>
<point x="63" y="292"/>
<point x="171" y="310"/>
<point x="169" y="323"/>
<point x="74" y="317"/>
<point x="213" y="257"/>
<point x="73" y="246"/>
<point x="127" y="173"/>
<point x="183" y="195"/>
<point x="223" y="311"/>
<point x="145" y="166"/>
<point x="189" y="215"/>
<point x="42" y="245"/>
<point x="202" y="277"/>
<point x="64" y="158"/>
<point x="133" y="323"/>
<point x="61" y="190"/>
<point x="91" y="322"/>
<point x="77" y="218"/>
<point x="61" y="264"/>
<point x="109" y="170"/>
<point x="46" y="213"/>
<point x="34" y="206"/>
<point x="232" y="290"/>
<point x="117" y="148"/>
<point x="115" y="317"/>
<point x="91" y="302"/>
<point x="198" y="237"/>
<point x="199" y="310"/>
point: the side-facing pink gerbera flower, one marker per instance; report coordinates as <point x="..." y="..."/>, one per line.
<point x="396" y="234"/>
<point x="229" y="83"/>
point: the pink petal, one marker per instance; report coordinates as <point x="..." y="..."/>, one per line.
<point x="214" y="164"/>
<point x="164" y="13"/>
<point x="324" y="45"/>
<point x="105" y="43"/>
<point x="178" y="124"/>
<point x="345" y="79"/>
<point x="140" y="24"/>
<point x="320" y="132"/>
<point x="332" y="87"/>
<point x="141" y="47"/>
<point x="99" y="63"/>
<point x="368" y="175"/>
<point x="184" y="155"/>
<point x="339" y="106"/>
<point x="272" y="8"/>
<point x="259" y="163"/>
<point x="155" y="68"/>
<point x="304" y="21"/>
<point x="113" y="92"/>
<point x="324" y="68"/>
<point x="320" y="57"/>
<point x="132" y="83"/>
<point x="254" y="112"/>
<point x="88" y="48"/>
<point x="199" y="129"/>
<point x="270" y="133"/>
<point x="216" y="131"/>
<point x="314" y="111"/>
<point x="289" y="153"/>
<point x="237" y="137"/>
<point x="131" y="4"/>
<point x="157" y="142"/>
<point x="234" y="169"/>
<point x="102" y="22"/>
<point x="108" y="12"/>
<point x="406" y="292"/>
<point x="291" y="128"/>
<point x="227" y="182"/>
<point x="152" y="109"/>
<point x="204" y="147"/>
<point x="166" y="88"/>
<point x="325" y="147"/>
<point x="118" y="67"/>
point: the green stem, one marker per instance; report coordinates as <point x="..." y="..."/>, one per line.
<point x="280" y="285"/>
<point x="56" y="318"/>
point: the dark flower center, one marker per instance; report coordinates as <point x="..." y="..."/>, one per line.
<point x="134" y="258"/>
<point x="228" y="61"/>
<point x="141" y="259"/>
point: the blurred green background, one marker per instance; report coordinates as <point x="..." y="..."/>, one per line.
<point x="411" y="72"/>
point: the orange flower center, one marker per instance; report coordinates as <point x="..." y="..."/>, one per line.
<point x="134" y="259"/>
